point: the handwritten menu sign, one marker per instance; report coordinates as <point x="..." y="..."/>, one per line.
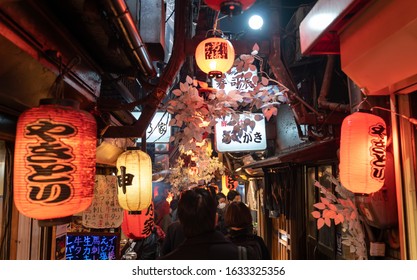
<point x="104" y="211"/>
<point x="90" y="246"/>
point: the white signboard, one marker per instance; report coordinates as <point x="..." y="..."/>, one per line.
<point x="247" y="135"/>
<point x="235" y="80"/>
<point x="158" y="130"/>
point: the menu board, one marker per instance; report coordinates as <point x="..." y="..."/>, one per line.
<point x="104" y="211"/>
<point x="92" y="246"/>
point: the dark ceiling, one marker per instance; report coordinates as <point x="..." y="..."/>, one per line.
<point x="118" y="65"/>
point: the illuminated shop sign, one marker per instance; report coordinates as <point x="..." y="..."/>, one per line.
<point x="158" y="130"/>
<point x="237" y="80"/>
<point x="90" y="246"/>
<point x="248" y="134"/>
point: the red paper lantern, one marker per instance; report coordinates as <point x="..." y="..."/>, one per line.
<point x="55" y="161"/>
<point x="135" y="179"/>
<point x="138" y="225"/>
<point x="215" y="56"/>
<point x="363" y="153"/>
<point x="230" y="7"/>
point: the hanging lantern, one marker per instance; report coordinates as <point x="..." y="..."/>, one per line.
<point x="230" y="7"/>
<point x="55" y="161"/>
<point x="137" y="225"/>
<point x="363" y="153"/>
<point x="135" y="179"/>
<point x="215" y="56"/>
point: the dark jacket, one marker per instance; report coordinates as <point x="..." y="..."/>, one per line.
<point x="220" y="221"/>
<point x="145" y="248"/>
<point x="255" y="245"/>
<point x="174" y="237"/>
<point x="208" y="246"/>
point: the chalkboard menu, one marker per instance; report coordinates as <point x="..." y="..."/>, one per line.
<point x="92" y="246"/>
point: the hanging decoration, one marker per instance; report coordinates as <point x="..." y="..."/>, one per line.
<point x="363" y="153"/>
<point x="55" y="161"/>
<point x="138" y="225"/>
<point x="230" y="7"/>
<point x="341" y="211"/>
<point x="215" y="56"/>
<point x="135" y="179"/>
<point x="104" y="211"/>
<point x="196" y="115"/>
<point x="194" y="166"/>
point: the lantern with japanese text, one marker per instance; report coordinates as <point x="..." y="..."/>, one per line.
<point x="215" y="56"/>
<point x="230" y="7"/>
<point x="138" y="225"/>
<point x="135" y="179"/>
<point x="363" y="153"/>
<point x="54" y="161"/>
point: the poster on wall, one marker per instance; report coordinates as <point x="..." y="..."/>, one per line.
<point x="60" y="241"/>
<point x="104" y="211"/>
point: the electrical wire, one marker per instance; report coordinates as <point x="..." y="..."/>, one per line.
<point x="411" y="120"/>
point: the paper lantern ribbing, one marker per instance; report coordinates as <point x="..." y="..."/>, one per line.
<point x="55" y="160"/>
<point x="138" y="225"/>
<point x="230" y="7"/>
<point x="363" y="153"/>
<point x="135" y="180"/>
<point x="215" y="56"/>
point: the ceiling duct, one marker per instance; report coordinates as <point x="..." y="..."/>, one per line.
<point x="126" y="25"/>
<point x="149" y="16"/>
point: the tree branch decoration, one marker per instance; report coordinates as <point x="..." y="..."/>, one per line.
<point x="341" y="210"/>
<point x="196" y="107"/>
<point x="194" y="166"/>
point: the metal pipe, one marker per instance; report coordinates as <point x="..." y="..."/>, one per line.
<point x="325" y="88"/>
<point x="127" y="26"/>
<point x="182" y="31"/>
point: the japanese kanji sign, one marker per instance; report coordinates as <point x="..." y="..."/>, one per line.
<point x="247" y="135"/>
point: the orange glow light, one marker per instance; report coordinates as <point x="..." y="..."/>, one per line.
<point x="363" y="153"/>
<point x="55" y="160"/>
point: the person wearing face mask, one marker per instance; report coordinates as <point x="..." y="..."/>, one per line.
<point x="221" y="206"/>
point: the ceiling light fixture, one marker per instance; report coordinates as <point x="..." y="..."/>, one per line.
<point x="256" y="22"/>
<point x="230" y="7"/>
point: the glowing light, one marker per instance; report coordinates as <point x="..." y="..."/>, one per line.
<point x="256" y="22"/>
<point x="321" y="21"/>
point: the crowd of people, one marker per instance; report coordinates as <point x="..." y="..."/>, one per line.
<point x="204" y="224"/>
